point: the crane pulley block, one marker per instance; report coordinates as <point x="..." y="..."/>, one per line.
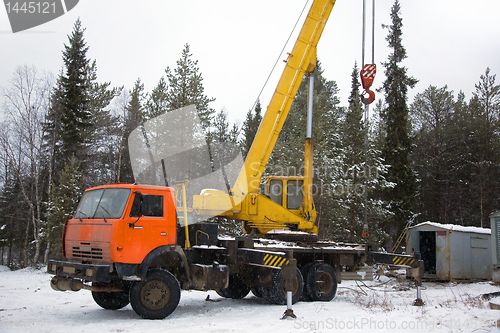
<point x="368" y="75"/>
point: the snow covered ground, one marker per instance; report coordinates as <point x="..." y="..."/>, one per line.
<point x="28" y="304"/>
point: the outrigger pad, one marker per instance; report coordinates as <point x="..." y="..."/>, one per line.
<point x="288" y="313"/>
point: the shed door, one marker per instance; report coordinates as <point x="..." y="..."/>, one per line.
<point x="428" y="251"/>
<point x="480" y="260"/>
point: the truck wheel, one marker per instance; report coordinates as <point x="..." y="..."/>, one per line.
<point x="256" y="292"/>
<point x="305" y="272"/>
<point x="264" y="292"/>
<point x="321" y="283"/>
<point x="277" y="293"/>
<point x="110" y="301"/>
<point x="236" y="289"/>
<point x="156" y="296"/>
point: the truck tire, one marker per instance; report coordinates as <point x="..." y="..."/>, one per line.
<point x="305" y="272"/>
<point x="110" y="301"/>
<point x="321" y="283"/>
<point x="277" y="293"/>
<point x="236" y="289"/>
<point x="264" y="292"/>
<point x="257" y="292"/>
<point x="157" y="296"/>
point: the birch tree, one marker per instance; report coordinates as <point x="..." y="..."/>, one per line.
<point x="26" y="103"/>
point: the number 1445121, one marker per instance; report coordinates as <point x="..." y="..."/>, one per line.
<point x="31" y="7"/>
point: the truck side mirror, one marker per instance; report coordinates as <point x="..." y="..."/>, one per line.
<point x="143" y="208"/>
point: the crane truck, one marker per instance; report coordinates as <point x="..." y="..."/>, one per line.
<point x="143" y="244"/>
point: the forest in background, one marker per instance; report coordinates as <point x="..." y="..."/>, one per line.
<point x="435" y="158"/>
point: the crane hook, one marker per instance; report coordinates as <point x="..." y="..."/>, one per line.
<point x="369" y="99"/>
<point x="367" y="75"/>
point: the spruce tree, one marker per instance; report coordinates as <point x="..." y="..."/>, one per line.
<point x="224" y="149"/>
<point x="75" y="114"/>
<point x="250" y="127"/>
<point x="377" y="131"/>
<point x="53" y="129"/>
<point x="361" y="176"/>
<point x="79" y="123"/>
<point x="13" y="226"/>
<point x="354" y="130"/>
<point x="224" y="141"/>
<point x="397" y="147"/>
<point x="487" y="100"/>
<point x="65" y="198"/>
<point x="134" y="117"/>
<point x="353" y="142"/>
<point x="103" y="133"/>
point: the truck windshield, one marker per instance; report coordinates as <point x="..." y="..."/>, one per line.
<point x="103" y="203"/>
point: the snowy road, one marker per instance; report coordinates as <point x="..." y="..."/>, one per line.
<point x="28" y="304"/>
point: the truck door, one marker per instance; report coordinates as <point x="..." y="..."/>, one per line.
<point x="150" y="223"/>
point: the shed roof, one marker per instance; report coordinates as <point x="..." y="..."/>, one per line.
<point x="454" y="227"/>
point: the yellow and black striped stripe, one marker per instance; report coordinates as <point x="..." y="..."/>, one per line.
<point x="407" y="261"/>
<point x="275" y="261"/>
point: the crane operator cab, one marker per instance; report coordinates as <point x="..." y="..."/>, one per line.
<point x="286" y="191"/>
<point x="290" y="193"/>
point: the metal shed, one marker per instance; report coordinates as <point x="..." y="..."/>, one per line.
<point x="495" y="244"/>
<point x="452" y="252"/>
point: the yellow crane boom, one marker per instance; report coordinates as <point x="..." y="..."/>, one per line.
<point x="258" y="211"/>
<point x="301" y="60"/>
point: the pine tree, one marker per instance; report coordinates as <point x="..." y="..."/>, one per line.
<point x="157" y="102"/>
<point x="476" y="146"/>
<point x="397" y="147"/>
<point x="185" y="87"/>
<point x="432" y="114"/>
<point x="466" y="136"/>
<point x="464" y="151"/>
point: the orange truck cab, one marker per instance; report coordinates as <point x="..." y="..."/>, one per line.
<point x="121" y="223"/>
<point x="123" y="240"/>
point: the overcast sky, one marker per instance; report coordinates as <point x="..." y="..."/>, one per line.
<point x="237" y="42"/>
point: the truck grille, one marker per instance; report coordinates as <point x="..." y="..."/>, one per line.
<point x="87" y="253"/>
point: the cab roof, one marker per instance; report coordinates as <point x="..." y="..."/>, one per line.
<point x="133" y="187"/>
